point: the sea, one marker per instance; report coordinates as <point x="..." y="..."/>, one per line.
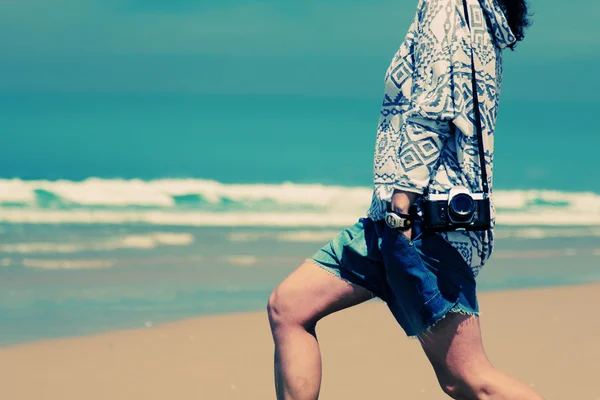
<point x="132" y="210"/>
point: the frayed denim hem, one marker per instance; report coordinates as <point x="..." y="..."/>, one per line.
<point x="332" y="272"/>
<point x="457" y="309"/>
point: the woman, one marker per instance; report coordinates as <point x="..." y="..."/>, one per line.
<point x="429" y="141"/>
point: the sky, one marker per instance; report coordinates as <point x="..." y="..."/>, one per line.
<point x="314" y="48"/>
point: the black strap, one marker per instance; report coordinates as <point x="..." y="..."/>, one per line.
<point x="484" y="180"/>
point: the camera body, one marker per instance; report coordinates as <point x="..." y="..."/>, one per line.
<point x="459" y="209"/>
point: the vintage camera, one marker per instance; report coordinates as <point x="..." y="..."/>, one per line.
<point x="459" y="209"/>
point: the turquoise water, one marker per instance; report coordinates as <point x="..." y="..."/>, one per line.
<point x="268" y="139"/>
<point x="68" y="280"/>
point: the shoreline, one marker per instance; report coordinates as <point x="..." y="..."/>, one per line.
<point x="548" y="337"/>
<point x="241" y="313"/>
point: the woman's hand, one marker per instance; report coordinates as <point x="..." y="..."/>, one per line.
<point x="401" y="203"/>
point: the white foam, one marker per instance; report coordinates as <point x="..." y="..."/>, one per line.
<point x="166" y="218"/>
<point x="295" y="236"/>
<point x="135" y="192"/>
<point x="239" y="219"/>
<point x="242" y="261"/>
<point x="116" y="201"/>
<point x="248" y="236"/>
<point x="154" y="240"/>
<point x="27" y="248"/>
<point x="307" y="236"/>
<point x="525" y="199"/>
<point x="88" y="192"/>
<point x="148" y="241"/>
<point x="67" y="264"/>
<point x="16" y="191"/>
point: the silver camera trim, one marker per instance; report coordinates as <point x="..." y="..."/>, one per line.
<point x="447" y="197"/>
<point x="453" y="192"/>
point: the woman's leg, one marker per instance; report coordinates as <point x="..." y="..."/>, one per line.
<point x="307" y="295"/>
<point x="455" y="350"/>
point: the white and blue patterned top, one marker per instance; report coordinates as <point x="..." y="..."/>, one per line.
<point x="426" y="136"/>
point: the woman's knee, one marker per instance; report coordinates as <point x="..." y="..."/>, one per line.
<point x="277" y="309"/>
<point x="285" y="310"/>
<point x="467" y="386"/>
<point x="308" y="295"/>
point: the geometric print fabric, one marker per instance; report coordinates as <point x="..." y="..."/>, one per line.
<point x="425" y="136"/>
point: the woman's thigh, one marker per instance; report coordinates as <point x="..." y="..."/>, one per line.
<point x="310" y="293"/>
<point x="455" y="349"/>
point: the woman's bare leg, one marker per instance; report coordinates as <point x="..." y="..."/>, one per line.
<point x="455" y="350"/>
<point x="307" y="295"/>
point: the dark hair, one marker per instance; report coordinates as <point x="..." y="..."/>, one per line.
<point x="518" y="17"/>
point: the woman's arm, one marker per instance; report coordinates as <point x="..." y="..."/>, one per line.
<point x="428" y="120"/>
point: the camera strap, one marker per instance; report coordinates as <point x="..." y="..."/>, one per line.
<point x="484" y="178"/>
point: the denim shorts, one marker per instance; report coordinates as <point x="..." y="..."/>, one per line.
<point x="421" y="280"/>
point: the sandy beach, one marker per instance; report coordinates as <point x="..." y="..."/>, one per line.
<point x="549" y="338"/>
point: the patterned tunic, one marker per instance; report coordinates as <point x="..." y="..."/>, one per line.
<point x="426" y="136"/>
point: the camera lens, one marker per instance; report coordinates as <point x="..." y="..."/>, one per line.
<point x="462" y="206"/>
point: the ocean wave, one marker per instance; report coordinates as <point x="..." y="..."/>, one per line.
<point x="176" y="193"/>
<point x="196" y="202"/>
<point x="147" y="241"/>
